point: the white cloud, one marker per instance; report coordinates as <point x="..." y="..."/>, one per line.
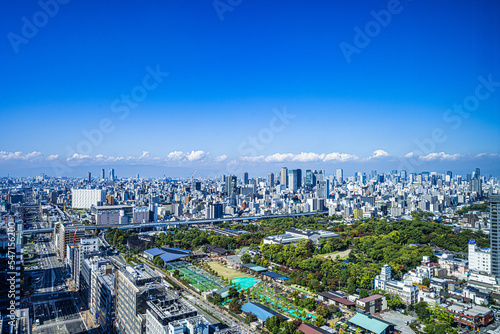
<point x="380" y="153"/>
<point x="175" y="155"/>
<point x="301" y="157"/>
<point x="343" y="157"/>
<point x="78" y="156"/>
<point x="20" y="156"/>
<point x="221" y="158"/>
<point x="441" y="156"/>
<point x="196" y="155"/>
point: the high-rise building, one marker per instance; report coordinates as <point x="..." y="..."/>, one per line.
<point x="270" y="179"/>
<point x="213" y="211"/>
<point x="479" y="258"/>
<point x="318" y="175"/>
<point x="340" y="175"/>
<point x="85" y="198"/>
<point x="103" y="174"/>
<point x="90" y="264"/>
<point x="105" y="299"/>
<point x="299" y="178"/>
<point x="294" y="179"/>
<point x="134" y="287"/>
<point x="64" y="235"/>
<point x="476" y="186"/>
<point x="309" y="178"/>
<point x="112" y="174"/>
<point x="144" y="305"/>
<point x="322" y="189"/>
<point x="284" y="177"/>
<point x="231" y="184"/>
<point x="89" y="177"/>
<point x="245" y="178"/>
<point x="495" y="234"/>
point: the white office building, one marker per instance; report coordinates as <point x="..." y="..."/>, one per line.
<point x="405" y="290"/>
<point x="479" y="258"/>
<point x="85" y="198"/>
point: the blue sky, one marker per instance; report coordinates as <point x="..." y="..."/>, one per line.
<point x="228" y="77"/>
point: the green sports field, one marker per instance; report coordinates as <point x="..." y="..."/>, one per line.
<point x="199" y="279"/>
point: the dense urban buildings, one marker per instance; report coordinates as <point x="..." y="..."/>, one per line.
<point x="116" y="296"/>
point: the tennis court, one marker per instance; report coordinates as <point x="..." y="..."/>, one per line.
<point x="198" y="278"/>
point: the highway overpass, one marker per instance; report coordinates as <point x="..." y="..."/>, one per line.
<point x="179" y="223"/>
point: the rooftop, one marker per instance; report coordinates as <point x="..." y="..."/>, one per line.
<point x="370" y="298"/>
<point x="260" y="311"/>
<point x="370" y="323"/>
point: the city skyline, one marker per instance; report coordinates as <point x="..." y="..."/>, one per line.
<point x="200" y="87"/>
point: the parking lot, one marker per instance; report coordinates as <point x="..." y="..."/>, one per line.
<point x="399" y="320"/>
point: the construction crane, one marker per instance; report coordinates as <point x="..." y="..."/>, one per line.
<point x="74" y="235"/>
<point x="192" y="175"/>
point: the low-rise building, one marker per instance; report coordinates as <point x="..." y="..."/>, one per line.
<point x="370" y="324"/>
<point x="473" y="317"/>
<point x="293" y="235"/>
<point x="372" y="304"/>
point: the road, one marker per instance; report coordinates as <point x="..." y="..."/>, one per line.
<point x="52" y="303"/>
<point x="164" y="224"/>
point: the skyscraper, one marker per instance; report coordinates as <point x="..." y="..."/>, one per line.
<point x="245" y="178"/>
<point x="322" y="189"/>
<point x="476" y="186"/>
<point x="89" y="177"/>
<point x="309" y="178"/>
<point x="299" y="178"/>
<point x="270" y="179"/>
<point x="231" y="182"/>
<point x="112" y="174"/>
<point x="294" y="179"/>
<point x="284" y="176"/>
<point x="318" y="175"/>
<point x="103" y="174"/>
<point x="495" y="234"/>
<point x="340" y="175"/>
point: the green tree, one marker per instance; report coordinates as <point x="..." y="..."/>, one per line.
<point x="422" y="310"/>
<point x="177" y="273"/>
<point x="323" y="311"/>
<point x="245" y="258"/>
<point x="351" y="288"/>
<point x="235" y="306"/>
<point x="320" y="321"/>
<point x="363" y="293"/>
<point x="426" y="282"/>
<point x="394" y="302"/>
